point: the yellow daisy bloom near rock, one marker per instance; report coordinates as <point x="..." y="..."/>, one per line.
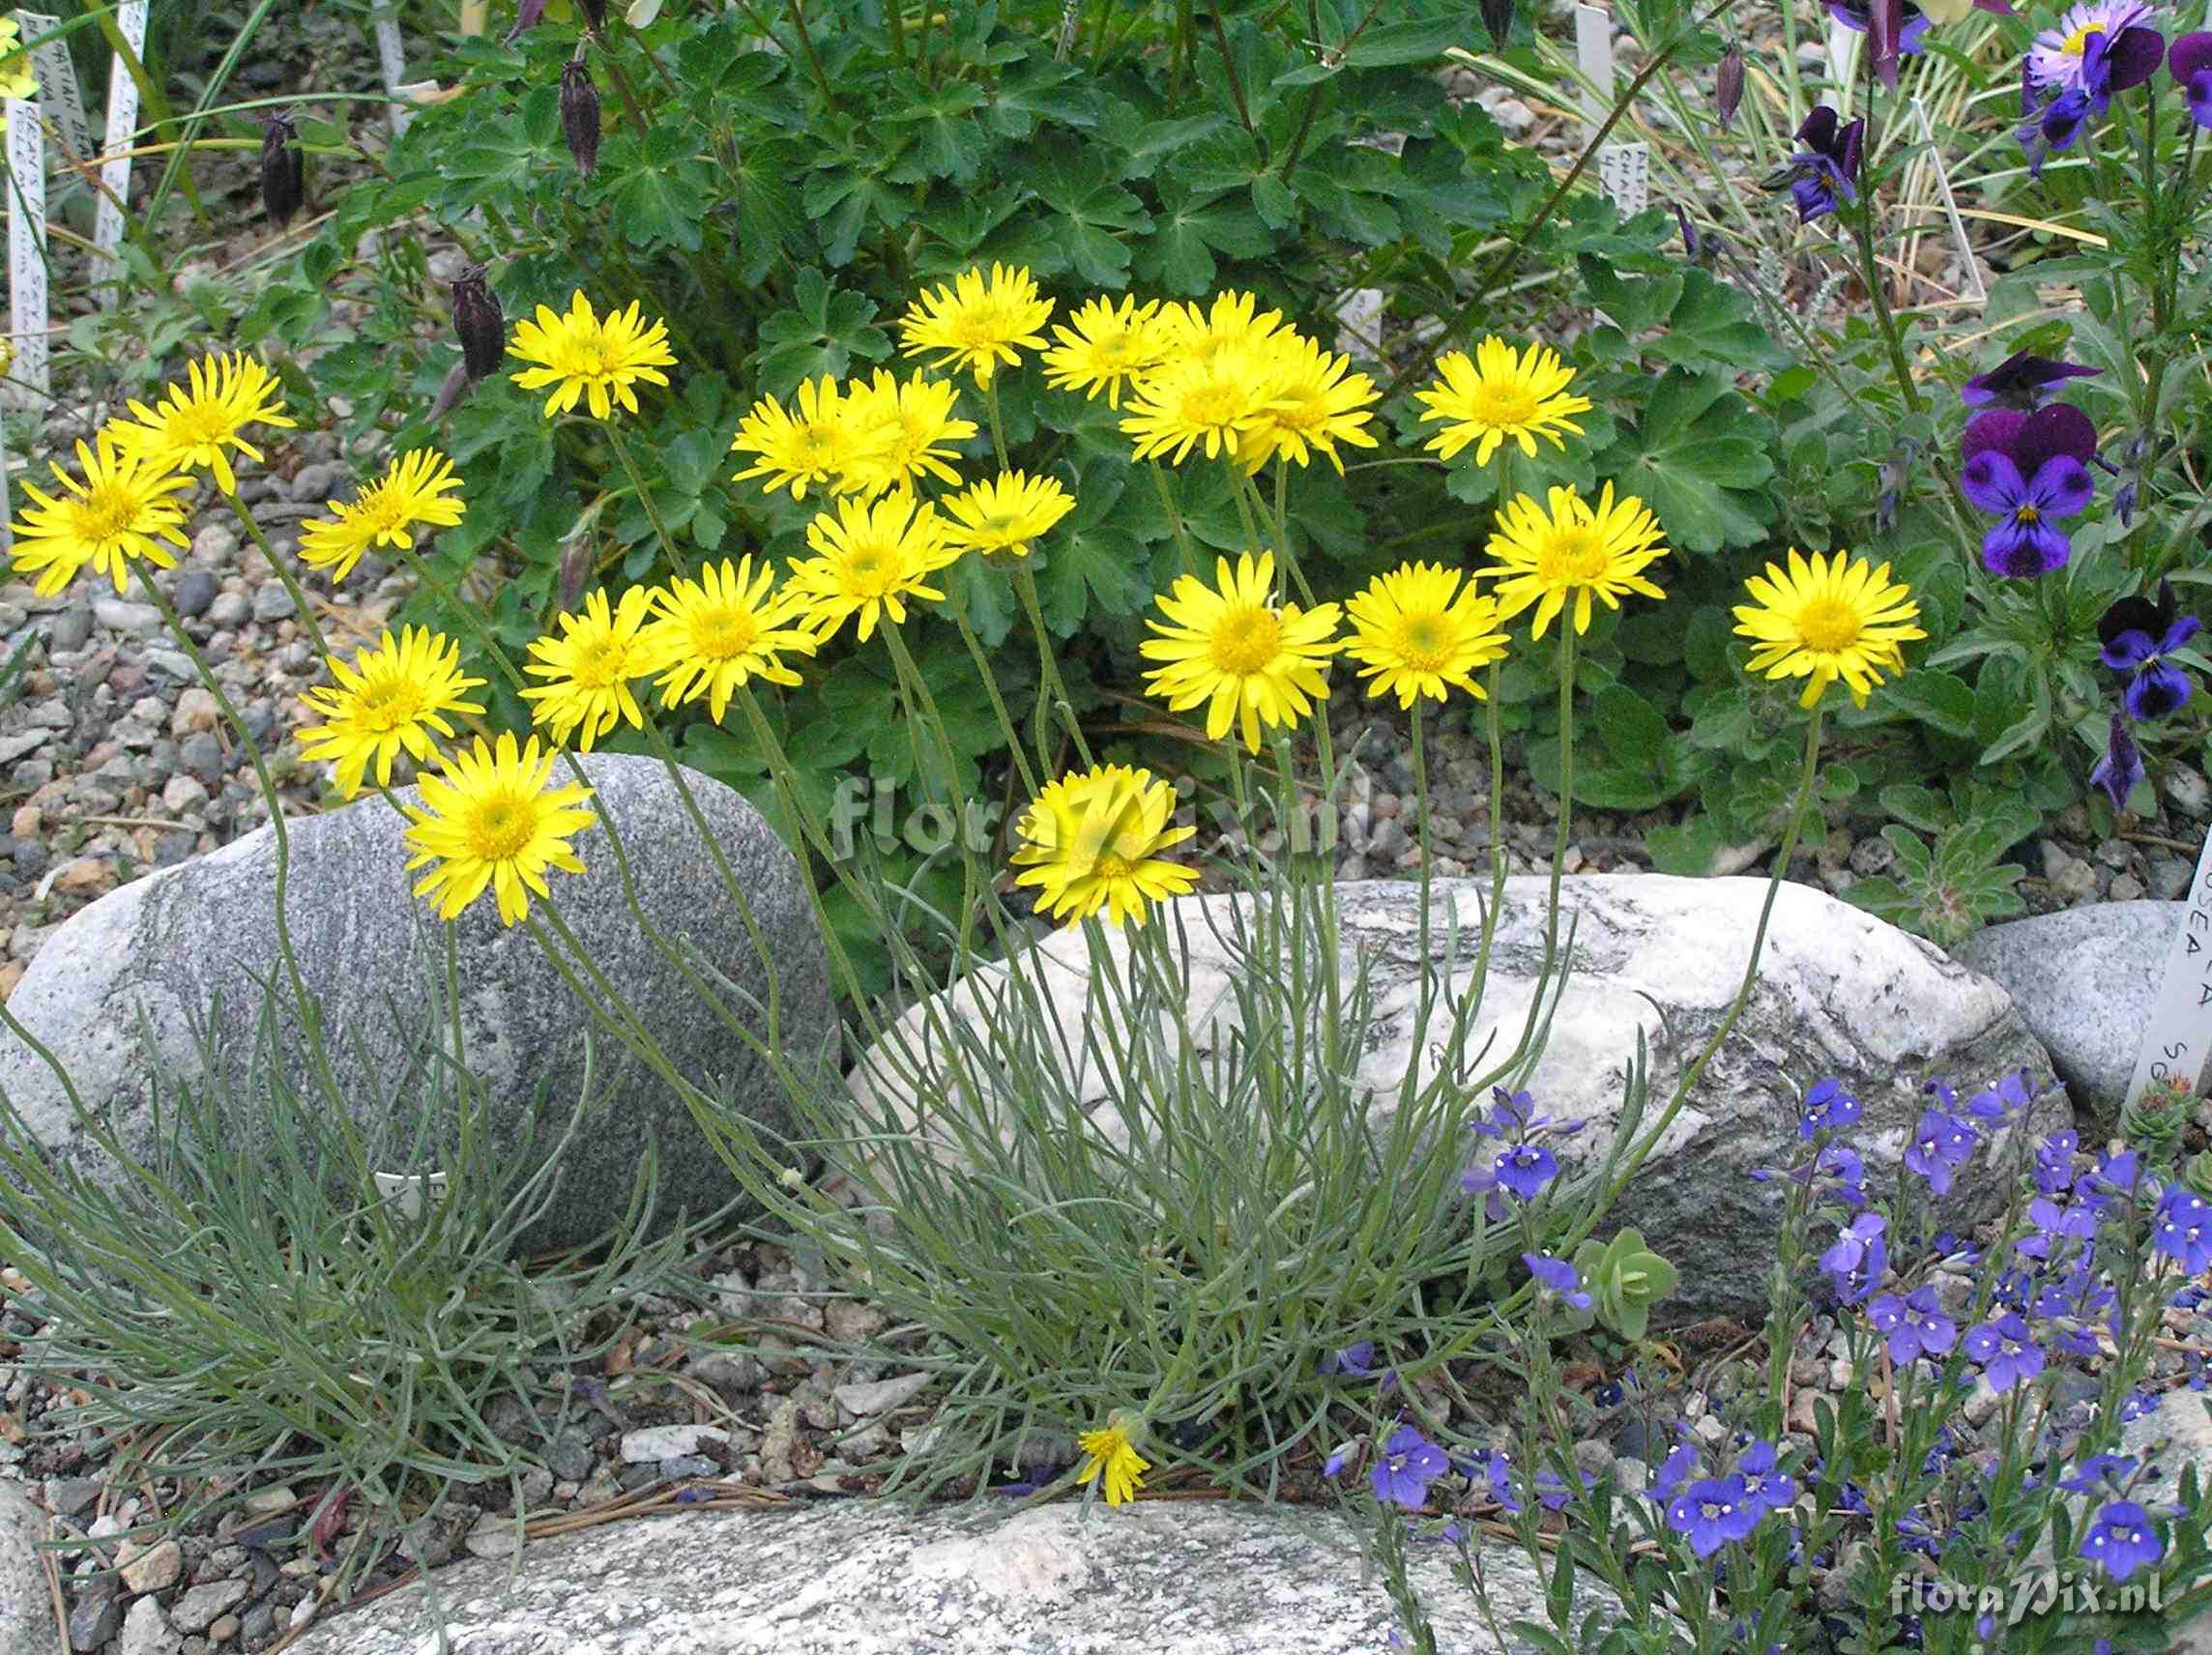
<point x="489" y="819"/>
<point x="411" y="491"/>
<point x="1104" y="347"/>
<point x="588" y="669"/>
<point x="975" y="324"/>
<point x="900" y="432"/>
<point x="1111" y="1451"/>
<point x="121" y="511"/>
<point x="1004" y="513"/>
<point x="392" y="698"/>
<point x="1500" y="396"/>
<point x="723" y="629"/>
<point x="192" y="424"/>
<point x="589" y="359"/>
<point x="1574" y="550"/>
<point x="1093" y="841"/>
<point x="868" y="560"/>
<point x="824" y="446"/>
<point x="1417" y="631"/>
<point x="1827" y="619"/>
<point x="1229" y="646"/>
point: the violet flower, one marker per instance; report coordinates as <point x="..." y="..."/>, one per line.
<point x="1858" y="1257"/>
<point x="1557" y="1277"/>
<point x="1826" y="1105"/>
<point x="2007" y="1352"/>
<point x="2123" y="1539"/>
<point x="2076" y="77"/>
<point x="1409" y="1465"/>
<point x="2121" y="767"/>
<point x="1825" y="166"/>
<point x="2028" y="469"/>
<point x="2138" y="636"/>
<point x="1712" y="1513"/>
<point x="1940" y="1145"/>
<point x="2023" y="380"/>
<point x="2189" y="62"/>
<point x="2182" y="1230"/>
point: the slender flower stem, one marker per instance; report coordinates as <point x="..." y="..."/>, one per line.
<point x="1052" y="690"/>
<point x="621" y="447"/>
<point x="997" y="703"/>
<point x="1567" y="779"/>
<point x="1862" y="226"/>
<point x="814" y="63"/>
<point x="1175" y="517"/>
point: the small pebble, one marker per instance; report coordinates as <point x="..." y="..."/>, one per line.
<point x="195" y="591"/>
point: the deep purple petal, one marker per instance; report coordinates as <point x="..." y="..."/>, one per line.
<point x="1995" y="429"/>
<point x="2190" y="55"/>
<point x="1991" y="481"/>
<point x="2133" y="58"/>
<point x="1847" y="154"/>
<point x="2179" y="633"/>
<point x="2159" y="689"/>
<point x="1885" y="20"/>
<point x="2063" y="122"/>
<point x="2061" y="486"/>
<point x="2022" y="551"/>
<point x="2059" y="429"/>
<point x="2124" y="651"/>
<point x="1819" y="133"/>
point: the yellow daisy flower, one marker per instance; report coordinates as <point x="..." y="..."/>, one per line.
<point x="868" y="560"/>
<point x="1093" y="841"/>
<point x="900" y="432"/>
<point x="1316" y="404"/>
<point x="489" y="819"/>
<point x="120" y="512"/>
<point x="1417" y="631"/>
<point x="711" y="634"/>
<point x="413" y="490"/>
<point x="1007" y="512"/>
<point x="1214" y="399"/>
<point x="1250" y="662"/>
<point x="17" y="80"/>
<point x="582" y="355"/>
<point x="589" y="667"/>
<point x="193" y="423"/>
<point x="1829" y="619"/>
<point x="1498" y="396"/>
<point x="1105" y="347"/>
<point x="1232" y="322"/>
<point x="1111" y="1451"/>
<point x="823" y="445"/>
<point x="976" y="324"/>
<point x="1573" y="551"/>
<point x="393" y="697"/>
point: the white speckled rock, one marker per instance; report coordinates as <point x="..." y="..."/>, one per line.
<point x="1841" y="993"/>
<point x="169" y="944"/>
<point x="2174" y="1435"/>
<point x="27" y="1612"/>
<point x="860" y="1577"/>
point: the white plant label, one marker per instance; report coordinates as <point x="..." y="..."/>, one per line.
<point x="1593" y="55"/>
<point x="115" y="164"/>
<point x="27" y="380"/>
<point x="1624" y="170"/>
<point x="1974" y="286"/>
<point x="57" y="89"/>
<point x="394" y="57"/>
<point x="2179" y="1038"/>
<point x="406" y="1193"/>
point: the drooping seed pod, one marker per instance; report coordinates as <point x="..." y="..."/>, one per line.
<point x="1727" y="85"/>
<point x="284" y="168"/>
<point x="581" y="115"/>
<point x="1497" y="18"/>
<point x="478" y="321"/>
<point x="527" y="15"/>
<point x="576" y="564"/>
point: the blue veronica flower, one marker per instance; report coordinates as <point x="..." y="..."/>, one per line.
<point x="2006" y="1349"/>
<point x="1940" y="1145"/>
<point x="1711" y="1513"/>
<point x="2122" y="1540"/>
<point x="1826" y="1107"/>
<point x="1409" y="1464"/>
<point x="2181" y="1229"/>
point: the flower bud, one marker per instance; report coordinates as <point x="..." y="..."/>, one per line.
<point x="580" y="116"/>
<point x="284" y="168"/>
<point x="596" y="14"/>
<point x="576" y="572"/>
<point x="478" y="321"/>
<point x="527" y="15"/>
<point x="1497" y="16"/>
<point x="1727" y="85"/>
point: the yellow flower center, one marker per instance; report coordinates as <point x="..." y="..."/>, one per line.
<point x="501" y="823"/>
<point x="1574" y="555"/>
<point x="1245" y="640"/>
<point x="725" y="634"/>
<point x="870" y="570"/>
<point x="1110" y="866"/>
<point x="387" y="704"/>
<point x="601" y="662"/>
<point x="1828" y="625"/>
<point x="2078" y="42"/>
<point x="104" y="514"/>
<point x="1506" y="404"/>
<point x="201" y="424"/>
<point x="1217" y="402"/>
<point x="2026" y="513"/>
<point x="1421" y="642"/>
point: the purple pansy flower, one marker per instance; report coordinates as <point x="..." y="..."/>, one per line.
<point x="1862" y="16"/>
<point x="1858" y="1257"/>
<point x="1557" y="1277"/>
<point x="1410" y="1462"/>
<point x="2056" y="58"/>
<point x="1826" y="1105"/>
<point x="1712" y="1513"/>
<point x="1825" y="166"/>
<point x="2182" y="1230"/>
<point x="2138" y="634"/>
<point x="1915" y="1325"/>
<point x="2023" y="380"/>
<point x="2027" y="470"/>
<point x="2122" y="1539"/>
<point x="2189" y="62"/>
<point x="1354" y="1358"/>
<point x="1940" y="1145"/>
<point x="2006" y="1349"/>
<point x="2121" y="767"/>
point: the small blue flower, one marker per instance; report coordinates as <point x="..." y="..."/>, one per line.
<point x="2010" y="1096"/>
<point x="2098" y="1473"/>
<point x="2122" y="1540"/>
<point x="1680" y="1463"/>
<point x="2054" y="1161"/>
<point x="1712" y="1513"/>
<point x="1409" y="1465"/>
<point x="1354" y="1359"/>
<point x="1826" y="1107"/>
<point x="1525" y="1168"/>
<point x="2006" y="1351"/>
<point x="1557" y="1277"/>
<point x="1499" y="1469"/>
<point x="1914" y="1324"/>
<point x="1765" y="1489"/>
<point x="1940" y="1145"/>
<point x="2182" y="1230"/>
<point x="1335" y="1463"/>
<point x="1858" y="1257"/>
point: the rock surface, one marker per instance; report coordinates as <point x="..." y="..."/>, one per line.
<point x="170" y="943"/>
<point x="1841" y="993"/>
<point x="866" y="1579"/>
<point x="26" y="1622"/>
<point x="2175" y="1434"/>
<point x="2084" y="979"/>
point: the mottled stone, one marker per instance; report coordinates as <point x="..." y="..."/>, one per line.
<point x="2084" y="981"/>
<point x="866" y="1579"/>
<point x="1839" y="993"/>
<point x="171" y="943"/>
<point x="26" y="1614"/>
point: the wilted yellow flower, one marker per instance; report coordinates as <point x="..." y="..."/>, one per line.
<point x="489" y="819"/>
<point x="976" y="325"/>
<point x="122" y="511"/>
<point x="583" y="356"/>
<point x="1573" y="551"/>
<point x="1229" y="646"/>
<point x="1111" y="1451"/>
<point x="1829" y="619"/>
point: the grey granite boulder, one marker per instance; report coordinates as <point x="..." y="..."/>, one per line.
<point x="858" y="1578"/>
<point x="177" y="941"/>
<point x="2084" y="979"/>
<point x="2166" y="1440"/>
<point x="1841" y="994"/>
<point x="26" y="1610"/>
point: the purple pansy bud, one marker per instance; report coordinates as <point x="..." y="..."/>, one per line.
<point x="581" y="115"/>
<point x="284" y="168"/>
<point x="526" y="17"/>
<point x="2189" y="63"/>
<point x="2023" y="380"/>
<point x="1727" y="85"/>
<point x="478" y="321"/>
<point x="2121" y="767"/>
